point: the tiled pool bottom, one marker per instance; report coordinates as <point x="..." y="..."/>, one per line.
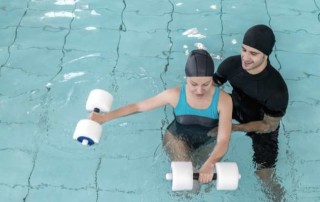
<point x="53" y="53"/>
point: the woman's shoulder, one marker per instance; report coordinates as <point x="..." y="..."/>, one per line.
<point x="172" y="95"/>
<point x="174" y="90"/>
<point x="224" y="96"/>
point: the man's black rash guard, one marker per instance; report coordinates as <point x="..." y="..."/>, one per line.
<point x="255" y="95"/>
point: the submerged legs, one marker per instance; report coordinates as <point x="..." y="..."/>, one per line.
<point x="271" y="185"/>
<point x="177" y="149"/>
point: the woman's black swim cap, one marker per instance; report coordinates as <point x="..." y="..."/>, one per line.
<point x="199" y="63"/>
<point x="260" y="37"/>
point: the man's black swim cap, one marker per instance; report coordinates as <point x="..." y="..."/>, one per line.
<point x="199" y="63"/>
<point x="260" y="37"/>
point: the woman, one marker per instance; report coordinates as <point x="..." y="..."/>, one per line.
<point x="198" y="105"/>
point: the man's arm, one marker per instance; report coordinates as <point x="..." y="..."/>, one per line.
<point x="267" y="125"/>
<point x="218" y="79"/>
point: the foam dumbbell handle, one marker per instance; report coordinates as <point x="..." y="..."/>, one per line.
<point x="196" y="176"/>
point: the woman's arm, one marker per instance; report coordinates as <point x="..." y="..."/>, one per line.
<point x="224" y="129"/>
<point x="168" y="96"/>
<point x="223" y="138"/>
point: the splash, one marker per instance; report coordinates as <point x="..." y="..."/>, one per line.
<point x="193" y="32"/>
<point x="65" y="2"/>
<point x="72" y="75"/>
<point x="93" y="12"/>
<point x="63" y="14"/>
<point x="200" y="46"/>
<point x="90" y="28"/>
<point x="213" y="7"/>
<point x="83" y="57"/>
<point x="234" y="41"/>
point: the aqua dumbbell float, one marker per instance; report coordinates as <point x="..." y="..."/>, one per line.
<point x="87" y="131"/>
<point x="227" y="176"/>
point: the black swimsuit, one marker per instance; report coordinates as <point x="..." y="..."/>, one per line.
<point x="252" y="97"/>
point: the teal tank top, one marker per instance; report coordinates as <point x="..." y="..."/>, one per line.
<point x="186" y="115"/>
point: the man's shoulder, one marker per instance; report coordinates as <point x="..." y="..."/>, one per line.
<point x="235" y="59"/>
<point x="276" y="88"/>
<point x="230" y="63"/>
<point x="275" y="76"/>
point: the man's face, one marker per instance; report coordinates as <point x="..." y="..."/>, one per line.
<point x="253" y="60"/>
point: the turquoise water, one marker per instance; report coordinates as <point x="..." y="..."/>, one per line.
<point x="54" y="52"/>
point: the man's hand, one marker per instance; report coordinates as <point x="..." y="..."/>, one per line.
<point x="213" y="132"/>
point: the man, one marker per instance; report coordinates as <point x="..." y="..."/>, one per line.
<point x="259" y="95"/>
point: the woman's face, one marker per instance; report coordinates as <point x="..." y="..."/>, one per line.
<point x="199" y="86"/>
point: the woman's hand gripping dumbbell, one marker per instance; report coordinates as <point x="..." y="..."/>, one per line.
<point x="87" y="131"/>
<point x="227" y="176"/>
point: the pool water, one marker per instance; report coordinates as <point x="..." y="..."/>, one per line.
<point x="54" y="52"/>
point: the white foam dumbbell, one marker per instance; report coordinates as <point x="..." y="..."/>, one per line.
<point x="227" y="176"/>
<point x="88" y="132"/>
